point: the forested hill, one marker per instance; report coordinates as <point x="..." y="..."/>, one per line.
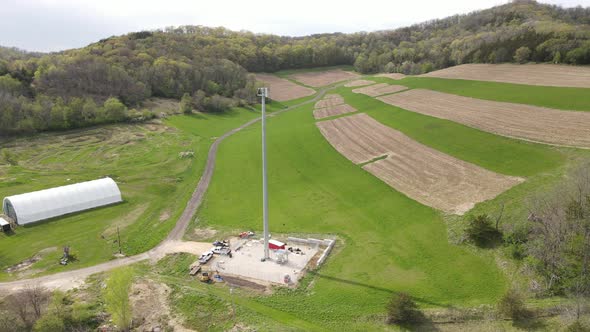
<point x="211" y="65"/>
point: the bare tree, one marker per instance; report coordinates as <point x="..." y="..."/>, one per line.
<point x="28" y="303"/>
<point x="560" y="236"/>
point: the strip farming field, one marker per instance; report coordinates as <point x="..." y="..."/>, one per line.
<point x="513" y="120"/>
<point x="424" y="174"/>
<point x="379" y="89"/>
<point x="529" y="74"/>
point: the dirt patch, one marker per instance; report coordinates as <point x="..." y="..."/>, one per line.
<point x="358" y="83"/>
<point x="325" y="112"/>
<point x="203" y="233"/>
<point x="323" y="78"/>
<point x="165" y="215"/>
<point x="241" y="282"/>
<point x="379" y="89"/>
<point x="526" y="122"/>
<point x="27" y="263"/>
<point x="151" y="310"/>
<point x="530" y="74"/>
<point x="281" y="89"/>
<point x="330" y="101"/>
<point x="422" y="173"/>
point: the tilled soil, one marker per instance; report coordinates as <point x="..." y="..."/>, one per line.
<point x="393" y="76"/>
<point x="379" y="89"/>
<point x="530" y="74"/>
<point x="526" y="122"/>
<point x="320" y="113"/>
<point x="323" y="78"/>
<point x="358" y="83"/>
<point x="281" y="89"/>
<point x="330" y="101"/>
<point x="420" y="172"/>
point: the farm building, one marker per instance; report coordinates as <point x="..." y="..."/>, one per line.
<point x="44" y="204"/>
<point x="4" y="225"/>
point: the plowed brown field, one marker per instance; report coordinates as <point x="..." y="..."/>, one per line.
<point x="379" y="89"/>
<point x="526" y="122"/>
<point x="330" y="100"/>
<point x="323" y="78"/>
<point x="530" y="74"/>
<point x="320" y="113"/>
<point x="394" y="76"/>
<point x="422" y="173"/>
<point x="282" y="89"/>
<point x="358" y="83"/>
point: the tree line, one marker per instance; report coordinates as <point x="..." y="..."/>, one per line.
<point x="212" y="65"/>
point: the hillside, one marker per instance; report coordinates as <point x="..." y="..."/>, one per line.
<point x="69" y="89"/>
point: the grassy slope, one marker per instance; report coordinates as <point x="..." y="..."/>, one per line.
<point x="575" y="99"/>
<point x="391" y="242"/>
<point x="152" y="178"/>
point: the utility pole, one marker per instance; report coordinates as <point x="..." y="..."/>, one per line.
<point x="119" y="239"/>
<point x="263" y="92"/>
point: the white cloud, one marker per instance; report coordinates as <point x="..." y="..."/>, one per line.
<point x="49" y="25"/>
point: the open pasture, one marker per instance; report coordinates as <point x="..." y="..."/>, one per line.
<point x="145" y="162"/>
<point x="379" y="89"/>
<point x="320" y="113"/>
<point x="282" y="89"/>
<point x="526" y="122"/>
<point x="358" y="83"/>
<point x="323" y="78"/>
<point x="424" y="174"/>
<point x="529" y="74"/>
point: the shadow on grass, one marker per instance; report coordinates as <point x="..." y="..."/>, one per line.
<point x="419" y="323"/>
<point x="529" y="322"/>
<point x="377" y="288"/>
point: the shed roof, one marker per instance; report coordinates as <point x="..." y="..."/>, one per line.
<point x="49" y="203"/>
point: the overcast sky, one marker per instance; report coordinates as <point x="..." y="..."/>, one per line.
<point x="53" y="25"/>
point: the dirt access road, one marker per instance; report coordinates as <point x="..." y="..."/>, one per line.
<point x="75" y="278"/>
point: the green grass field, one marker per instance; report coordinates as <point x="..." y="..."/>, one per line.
<point x="575" y="99"/>
<point x="389" y="242"/>
<point x="143" y="159"/>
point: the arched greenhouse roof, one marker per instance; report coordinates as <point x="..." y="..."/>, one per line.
<point x="49" y="203"/>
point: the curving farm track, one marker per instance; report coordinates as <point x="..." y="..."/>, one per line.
<point x="172" y="243"/>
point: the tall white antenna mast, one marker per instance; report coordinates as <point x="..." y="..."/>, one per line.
<point x="263" y="92"/>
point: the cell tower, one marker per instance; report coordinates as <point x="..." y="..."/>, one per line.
<point x="263" y="92"/>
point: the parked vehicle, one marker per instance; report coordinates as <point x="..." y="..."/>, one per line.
<point x="221" y="250"/>
<point x="223" y="243"/>
<point x="205" y="257"/>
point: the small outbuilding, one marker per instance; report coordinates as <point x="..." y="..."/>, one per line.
<point x="4" y="225"/>
<point x="49" y="203"/>
<point x="276" y="245"/>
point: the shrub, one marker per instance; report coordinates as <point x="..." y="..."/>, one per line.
<point x="481" y="230"/>
<point x="578" y="326"/>
<point x="512" y="305"/>
<point x="522" y="55"/>
<point x="401" y="309"/>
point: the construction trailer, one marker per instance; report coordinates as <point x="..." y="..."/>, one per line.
<point x="49" y="203"/>
<point x="276" y="245"/>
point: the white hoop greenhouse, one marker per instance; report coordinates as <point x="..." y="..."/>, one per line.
<point x="54" y="202"/>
